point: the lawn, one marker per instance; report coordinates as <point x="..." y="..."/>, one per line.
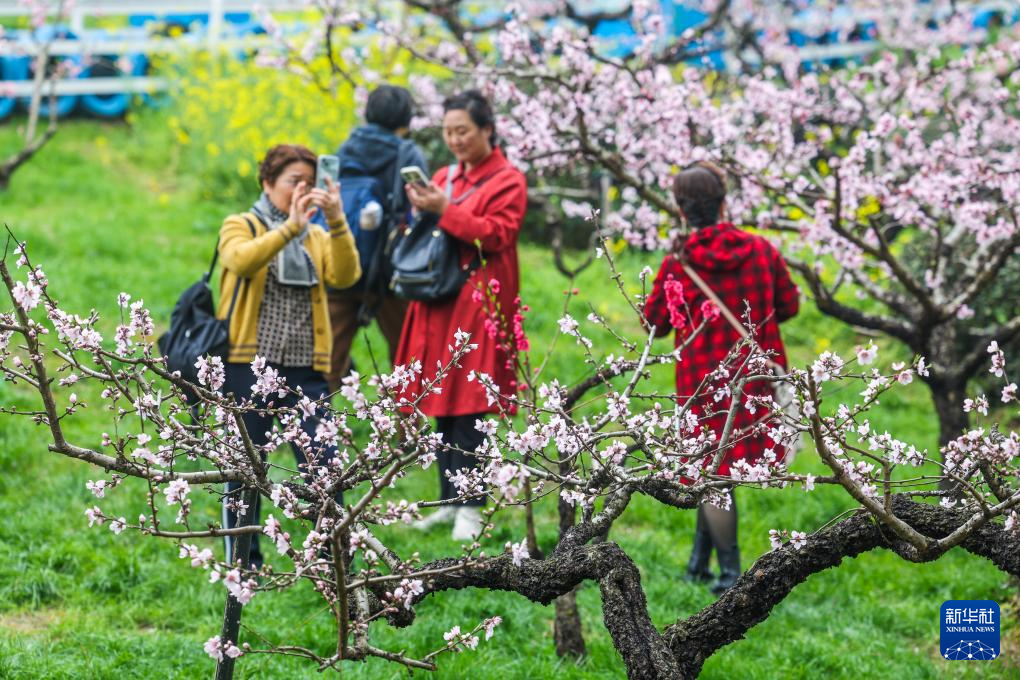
<point x="107" y="208"/>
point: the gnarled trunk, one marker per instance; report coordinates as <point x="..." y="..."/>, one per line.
<point x="567" y="624"/>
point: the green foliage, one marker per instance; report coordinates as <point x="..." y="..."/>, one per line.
<point x="107" y="208"/>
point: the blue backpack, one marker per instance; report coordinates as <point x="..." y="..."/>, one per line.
<point x="358" y="191"/>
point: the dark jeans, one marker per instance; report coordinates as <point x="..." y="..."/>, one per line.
<point x="458" y="432"/>
<point x="343" y="320"/>
<point x="240" y="379"/>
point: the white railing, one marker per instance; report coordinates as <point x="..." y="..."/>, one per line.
<point x="91" y="44"/>
<point x="84" y="9"/>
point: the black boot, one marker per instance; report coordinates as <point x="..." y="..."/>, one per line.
<point x="729" y="569"/>
<point x="701" y="553"/>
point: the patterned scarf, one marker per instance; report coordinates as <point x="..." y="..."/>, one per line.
<point x="294" y="266"/>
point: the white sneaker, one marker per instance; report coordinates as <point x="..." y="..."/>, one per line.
<point x="468" y="523"/>
<point x="441" y="516"/>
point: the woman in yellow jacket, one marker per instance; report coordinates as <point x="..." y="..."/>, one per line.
<point x="276" y="268"/>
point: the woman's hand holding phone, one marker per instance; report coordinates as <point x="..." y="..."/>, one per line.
<point x="301" y="209"/>
<point x="423" y="195"/>
<point x="328" y="200"/>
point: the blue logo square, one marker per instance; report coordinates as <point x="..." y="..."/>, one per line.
<point x="970" y="630"/>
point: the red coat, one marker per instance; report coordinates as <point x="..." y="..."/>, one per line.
<point x="741" y="269"/>
<point x="491" y="215"/>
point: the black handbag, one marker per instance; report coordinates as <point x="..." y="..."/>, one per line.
<point x="194" y="329"/>
<point x="426" y="261"/>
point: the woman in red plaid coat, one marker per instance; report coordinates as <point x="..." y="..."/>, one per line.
<point x="745" y="272"/>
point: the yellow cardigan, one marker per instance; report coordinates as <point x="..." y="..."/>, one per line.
<point x="245" y="262"/>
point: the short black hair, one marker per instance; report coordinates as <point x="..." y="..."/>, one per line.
<point x="389" y="106"/>
<point x="700" y="190"/>
<point x="477" y="107"/>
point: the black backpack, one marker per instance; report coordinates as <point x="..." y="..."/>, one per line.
<point x="194" y="329"/>
<point x="426" y="261"/>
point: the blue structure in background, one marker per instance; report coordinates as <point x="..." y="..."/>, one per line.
<point x="21" y="68"/>
<point x="616" y="37"/>
<point x="186" y="20"/>
<point x="7" y="73"/>
<point x="111" y="66"/>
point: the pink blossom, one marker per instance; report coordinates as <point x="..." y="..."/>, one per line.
<point x="568" y="325"/>
<point x="518" y="551"/>
<point x="214" y="648"/>
<point x="867" y="355"/>
<point x="268" y="379"/>
<point x="26" y="296"/>
<point x="709" y="311"/>
<point x="94" y="515"/>
<point x="274" y="530"/>
<point x="211" y="372"/>
<point x="998" y="360"/>
<point x="97" y="488"/>
<point x="177" y="492"/>
<point x="407" y="591"/>
<point x="199" y="558"/>
<point x="490" y="626"/>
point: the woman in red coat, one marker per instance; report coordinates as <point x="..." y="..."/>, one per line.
<point x="485" y="209"/>
<point x="743" y="271"/>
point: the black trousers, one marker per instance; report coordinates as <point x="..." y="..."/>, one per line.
<point x="240" y="380"/>
<point x="458" y="433"/>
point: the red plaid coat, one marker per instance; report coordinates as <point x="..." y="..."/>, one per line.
<point x="742" y="270"/>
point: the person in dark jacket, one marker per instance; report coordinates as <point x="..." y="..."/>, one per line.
<point x="379" y="148"/>
<point x="743" y="271"/>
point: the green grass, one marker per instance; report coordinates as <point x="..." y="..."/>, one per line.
<point x="105" y="209"/>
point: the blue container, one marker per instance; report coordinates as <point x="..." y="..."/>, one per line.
<point x="617" y="37"/>
<point x="111" y="105"/>
<point x="187" y="20"/>
<point x="9" y="72"/>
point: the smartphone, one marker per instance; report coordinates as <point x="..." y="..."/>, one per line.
<point x="327" y="166"/>
<point x="412" y="174"/>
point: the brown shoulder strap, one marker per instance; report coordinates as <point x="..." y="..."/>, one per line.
<point x="723" y="309"/>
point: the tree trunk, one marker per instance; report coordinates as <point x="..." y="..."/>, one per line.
<point x="953" y="421"/>
<point x="567" y="631"/>
<point x="949" y="406"/>
<point x="232" y="609"/>
<point x="567" y="624"/>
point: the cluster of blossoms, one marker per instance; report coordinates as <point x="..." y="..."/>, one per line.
<point x="798" y="539"/>
<point x="507" y="333"/>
